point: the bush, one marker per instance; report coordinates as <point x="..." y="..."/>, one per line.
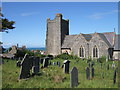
<point x="66" y="56"/>
<point x="102" y="59"/>
<point x="21" y="53"/>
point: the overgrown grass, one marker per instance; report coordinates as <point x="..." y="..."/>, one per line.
<point x="10" y="74"/>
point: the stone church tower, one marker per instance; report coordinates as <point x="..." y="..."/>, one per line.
<point x="56" y="31"/>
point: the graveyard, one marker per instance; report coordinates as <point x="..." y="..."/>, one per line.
<point x="79" y="73"/>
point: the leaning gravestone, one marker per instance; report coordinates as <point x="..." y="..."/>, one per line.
<point x="74" y="77"/>
<point x="66" y="66"/>
<point x="36" y="65"/>
<point x="26" y="65"/>
<point x="45" y="62"/>
<point x="88" y="73"/>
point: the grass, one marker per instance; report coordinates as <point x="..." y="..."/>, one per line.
<point x="46" y="79"/>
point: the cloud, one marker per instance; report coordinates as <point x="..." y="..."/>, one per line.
<point x="29" y="13"/>
<point x="102" y="14"/>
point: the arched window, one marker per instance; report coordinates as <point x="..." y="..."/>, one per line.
<point x="81" y="51"/>
<point x="95" y="51"/>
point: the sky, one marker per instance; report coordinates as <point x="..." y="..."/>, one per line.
<point x="30" y="18"/>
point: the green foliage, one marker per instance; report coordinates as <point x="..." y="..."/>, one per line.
<point x="10" y="74"/>
<point x="66" y="56"/>
<point x="6" y="24"/>
<point x="102" y="59"/>
<point x="39" y="55"/>
<point x="21" y="53"/>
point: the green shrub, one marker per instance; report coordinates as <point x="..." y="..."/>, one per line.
<point x="102" y="59"/>
<point x="21" y="53"/>
<point x="66" y="56"/>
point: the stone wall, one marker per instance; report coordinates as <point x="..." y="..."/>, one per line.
<point x="89" y="45"/>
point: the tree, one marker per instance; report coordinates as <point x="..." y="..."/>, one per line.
<point x="5" y="24"/>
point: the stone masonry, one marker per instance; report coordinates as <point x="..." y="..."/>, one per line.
<point x="94" y="45"/>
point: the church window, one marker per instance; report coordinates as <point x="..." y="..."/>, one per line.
<point x="95" y="51"/>
<point x="81" y="51"/>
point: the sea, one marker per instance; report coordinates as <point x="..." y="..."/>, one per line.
<point x="34" y="48"/>
<point x="37" y="48"/>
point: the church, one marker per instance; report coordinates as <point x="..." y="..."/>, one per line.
<point x="94" y="45"/>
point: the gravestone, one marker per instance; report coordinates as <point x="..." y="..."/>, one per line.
<point x="66" y="66"/>
<point x="35" y="70"/>
<point x="114" y="77"/>
<point x="92" y="64"/>
<point x="26" y="65"/>
<point x="108" y="67"/>
<point x="62" y="66"/>
<point x="45" y="62"/>
<point x="36" y="65"/>
<point x="92" y="72"/>
<point x="74" y="77"/>
<point x="58" y="64"/>
<point x="106" y="59"/>
<point x="18" y="64"/>
<point x="113" y="65"/>
<point x="54" y="63"/>
<point x="41" y="60"/>
<point x="88" y="73"/>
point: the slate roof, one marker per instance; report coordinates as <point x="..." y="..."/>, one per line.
<point x="107" y="37"/>
<point x="69" y="40"/>
<point x="103" y="37"/>
<point x="110" y="37"/>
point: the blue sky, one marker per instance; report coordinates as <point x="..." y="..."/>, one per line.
<point x="30" y="18"/>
